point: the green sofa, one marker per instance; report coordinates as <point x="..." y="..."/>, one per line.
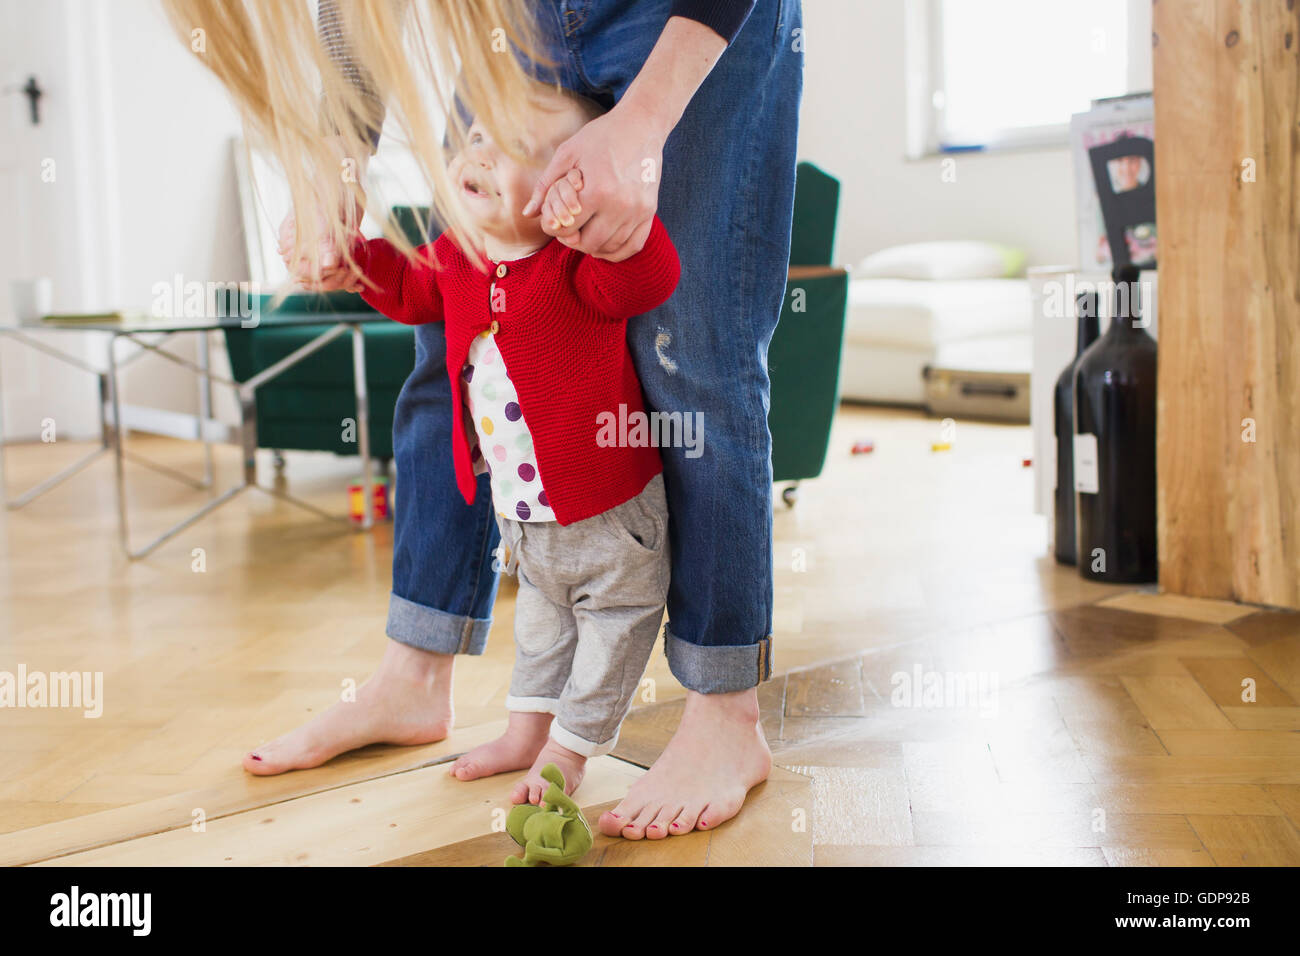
<point x="303" y="408"/>
<point x="804" y="357"/>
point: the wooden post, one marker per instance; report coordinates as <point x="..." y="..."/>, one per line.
<point x="1227" y="106"/>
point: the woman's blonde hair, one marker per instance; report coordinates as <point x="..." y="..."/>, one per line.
<point x="418" y="58"/>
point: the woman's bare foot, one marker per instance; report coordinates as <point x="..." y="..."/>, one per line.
<point x="406" y="701"/>
<point x="526" y="734"/>
<point x="532" y="788"/>
<point x="700" y="780"/>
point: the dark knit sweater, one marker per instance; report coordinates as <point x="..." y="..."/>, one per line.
<point x="561" y="328"/>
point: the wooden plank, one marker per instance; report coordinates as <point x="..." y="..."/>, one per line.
<point x="1265" y="627"/>
<point x="1199" y="770"/>
<point x="1174" y="605"/>
<point x="232" y="792"/>
<point x="772" y="830"/>
<point x="1053" y="829"/>
<point x="1248" y="841"/>
<point x="1093" y="631"/>
<point x="847" y="747"/>
<point x="1227" y="104"/>
<point x="1044" y="750"/>
<point x="1241" y="743"/>
<point x="691" y="849"/>
<point x="858" y="805"/>
<point x="358" y="825"/>
<point x="1287" y="799"/>
<point x="762" y="835"/>
<point x="1175" y="703"/>
<point x="1254" y="717"/>
<point x="1191" y="495"/>
<point x="1114" y="736"/>
<point x="1181" y="798"/>
<point x="943" y="776"/>
<point x="1281" y="661"/>
<point x="22" y="814"/>
<point x="834" y="690"/>
<point x="1222" y="678"/>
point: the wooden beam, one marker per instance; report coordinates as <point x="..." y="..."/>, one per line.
<point x="1228" y="199"/>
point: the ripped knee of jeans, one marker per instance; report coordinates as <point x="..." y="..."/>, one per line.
<point x="663" y="339"/>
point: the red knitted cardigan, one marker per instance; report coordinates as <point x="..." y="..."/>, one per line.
<point x="562" y="330"/>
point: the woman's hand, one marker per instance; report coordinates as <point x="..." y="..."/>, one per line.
<point x="617" y="157"/>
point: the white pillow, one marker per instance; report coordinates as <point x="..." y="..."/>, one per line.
<point x="949" y="259"/>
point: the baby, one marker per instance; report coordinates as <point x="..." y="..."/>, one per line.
<point x="536" y="352"/>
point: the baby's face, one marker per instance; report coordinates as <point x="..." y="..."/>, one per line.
<point x="493" y="187"/>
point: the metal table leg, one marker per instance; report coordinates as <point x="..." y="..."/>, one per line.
<point x="143" y="348"/>
<point x="113" y="430"/>
<point x="205" y="405"/>
<point x="247" y="393"/>
<point x="57" y="479"/>
<point x="115" y="399"/>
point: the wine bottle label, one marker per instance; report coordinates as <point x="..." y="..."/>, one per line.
<point x="1086" y="479"/>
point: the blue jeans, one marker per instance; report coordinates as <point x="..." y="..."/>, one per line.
<point x="726" y="196"/>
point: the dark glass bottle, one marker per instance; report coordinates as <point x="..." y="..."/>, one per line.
<point x="1087" y="330"/>
<point x="1115" y="446"/>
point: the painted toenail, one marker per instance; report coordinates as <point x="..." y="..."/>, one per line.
<point x="255" y="756"/>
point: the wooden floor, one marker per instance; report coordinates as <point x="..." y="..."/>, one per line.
<point x="1110" y="727"/>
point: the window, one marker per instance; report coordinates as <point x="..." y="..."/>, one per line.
<point x="996" y="73"/>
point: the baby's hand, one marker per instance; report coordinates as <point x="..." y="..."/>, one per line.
<point x="560" y="206"/>
<point x="333" y="275"/>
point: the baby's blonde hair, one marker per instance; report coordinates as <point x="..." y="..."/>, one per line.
<point x="419" y="57"/>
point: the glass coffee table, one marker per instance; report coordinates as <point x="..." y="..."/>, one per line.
<point x="148" y="334"/>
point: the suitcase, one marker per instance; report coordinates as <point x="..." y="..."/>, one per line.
<point x="976" y="393"/>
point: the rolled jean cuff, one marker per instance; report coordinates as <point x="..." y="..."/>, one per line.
<point x="580" y="745"/>
<point x="430" y="629"/>
<point x="718" y="668"/>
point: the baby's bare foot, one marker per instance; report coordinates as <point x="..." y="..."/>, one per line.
<point x="406" y="701"/>
<point x="532" y="788"/>
<point x="525" y="736"/>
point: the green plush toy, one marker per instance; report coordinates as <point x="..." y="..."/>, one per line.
<point x="554" y="832"/>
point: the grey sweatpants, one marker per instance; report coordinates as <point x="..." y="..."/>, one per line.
<point x="591" y="599"/>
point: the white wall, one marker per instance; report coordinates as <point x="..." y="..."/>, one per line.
<point x="853" y="124"/>
<point x="57" y="203"/>
<point x="175" y="185"/>
<point x="144" y="190"/>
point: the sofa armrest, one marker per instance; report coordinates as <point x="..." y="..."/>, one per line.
<point x="803" y="366"/>
<point x="814" y="272"/>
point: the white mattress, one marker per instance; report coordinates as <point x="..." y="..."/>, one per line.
<point x="920" y="314"/>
